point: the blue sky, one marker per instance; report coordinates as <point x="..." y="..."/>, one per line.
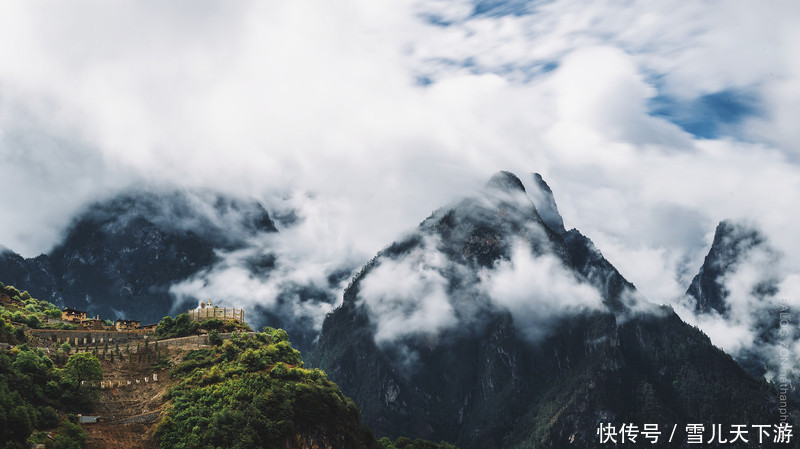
<point x="651" y="121"/>
<point x="710" y="116"/>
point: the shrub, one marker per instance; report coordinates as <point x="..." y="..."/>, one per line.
<point x="70" y="436"/>
<point x="83" y="367"/>
<point x="214" y="338"/>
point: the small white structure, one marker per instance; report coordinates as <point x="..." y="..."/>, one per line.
<point x="207" y="311"/>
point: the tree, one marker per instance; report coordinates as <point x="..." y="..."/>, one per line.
<point x="70" y="436"/>
<point x="214" y="338"/>
<point x="32" y="364"/>
<point x="34" y="322"/>
<point x="83" y="367"/>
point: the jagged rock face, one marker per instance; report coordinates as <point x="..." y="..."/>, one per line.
<point x="737" y="286"/>
<point x="732" y="244"/>
<point x="545" y="202"/>
<point x="590" y="263"/>
<point x="120" y="257"/>
<point x="478" y="378"/>
<point x="36" y="274"/>
<point x="582" y="254"/>
<point x="478" y="230"/>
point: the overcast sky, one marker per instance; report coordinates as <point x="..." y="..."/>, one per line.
<point x="651" y="121"/>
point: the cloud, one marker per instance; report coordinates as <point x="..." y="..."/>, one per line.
<point x="601" y="94"/>
<point x="256" y="280"/>
<point x="420" y="295"/>
<point x="409" y="296"/>
<point x="363" y="118"/>
<point x="537" y="291"/>
<point x="294" y="276"/>
<point x="760" y="294"/>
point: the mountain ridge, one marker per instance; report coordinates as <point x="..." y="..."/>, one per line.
<point x="479" y="379"/>
<point x="119" y="257"/>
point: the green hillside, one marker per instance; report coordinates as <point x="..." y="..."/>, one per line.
<point x="253" y="391"/>
<point x="36" y="396"/>
<point x="19" y="310"/>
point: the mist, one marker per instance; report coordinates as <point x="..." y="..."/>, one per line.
<point x="360" y="119"/>
<point x="757" y="325"/>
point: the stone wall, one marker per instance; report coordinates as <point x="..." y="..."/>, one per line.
<point x="128" y="382"/>
<point x="85" y="337"/>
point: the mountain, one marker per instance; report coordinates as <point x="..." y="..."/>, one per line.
<point x="738" y="285"/>
<point x="233" y="388"/>
<point x="490" y="325"/>
<point x="733" y="244"/>
<point x="119" y="257"/>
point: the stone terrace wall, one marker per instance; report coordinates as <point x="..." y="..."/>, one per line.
<point x="84" y="337"/>
<point x="126" y="382"/>
<point x="84" y="341"/>
<point x="190" y="341"/>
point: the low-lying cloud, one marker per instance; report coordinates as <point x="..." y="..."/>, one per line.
<point x="364" y="118"/>
<point x="420" y="295"/>
<point x="758" y="325"/>
<point x="291" y="278"/>
<point x="409" y="296"/>
<point x="537" y="291"/>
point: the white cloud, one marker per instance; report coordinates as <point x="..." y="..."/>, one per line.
<point x="601" y="94"/>
<point x="751" y="323"/>
<point x="229" y="280"/>
<point x="303" y="255"/>
<point x="278" y="100"/>
<point x="537" y="291"/>
<point x="408" y="296"/>
<point x="421" y="295"/>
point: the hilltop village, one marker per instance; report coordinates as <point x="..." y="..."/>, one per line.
<point x="24" y="312"/>
<point x="42" y="324"/>
<point x="125" y="398"/>
<point x="205" y="311"/>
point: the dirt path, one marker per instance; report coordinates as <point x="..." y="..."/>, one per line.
<point x="128" y="436"/>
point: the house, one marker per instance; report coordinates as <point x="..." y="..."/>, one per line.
<point x="5" y="299"/>
<point x="90" y="419"/>
<point x="94" y="324"/>
<point x="127" y="325"/>
<point x="149" y="327"/>
<point x="76" y="316"/>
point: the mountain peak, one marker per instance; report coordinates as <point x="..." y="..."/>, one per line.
<point x="505" y="181"/>
<point x="478" y="316"/>
<point x="732" y="243"/>
<point x="542" y="197"/>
